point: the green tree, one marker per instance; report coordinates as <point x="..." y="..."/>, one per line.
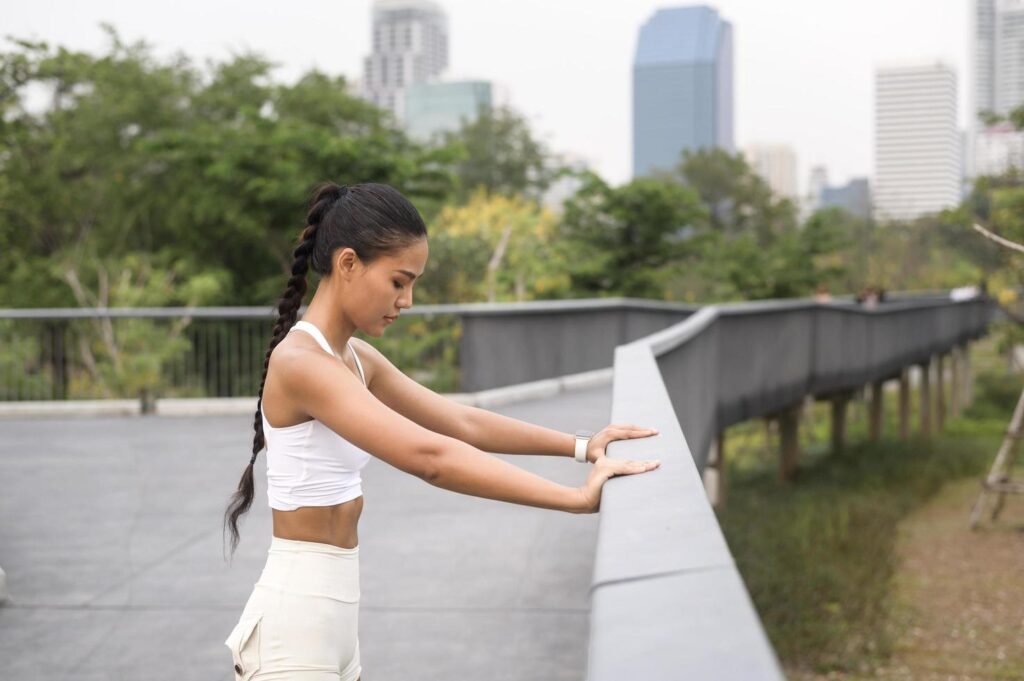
<point x="625" y="241"/>
<point x="500" y="153"/>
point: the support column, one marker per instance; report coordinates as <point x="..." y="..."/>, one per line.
<point x="714" y="472"/>
<point x="940" y="393"/>
<point x="926" y="398"/>
<point x="875" y="411"/>
<point x="968" y="393"/>
<point x="954" y="381"/>
<point x="839" y="404"/>
<point x="904" y="404"/>
<point x="789" y="434"/>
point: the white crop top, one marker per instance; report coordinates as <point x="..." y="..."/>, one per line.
<point x="308" y="464"/>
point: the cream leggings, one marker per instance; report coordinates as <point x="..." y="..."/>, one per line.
<point x="302" y="619"/>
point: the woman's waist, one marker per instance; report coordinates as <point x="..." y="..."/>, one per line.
<point x="311" y="569"/>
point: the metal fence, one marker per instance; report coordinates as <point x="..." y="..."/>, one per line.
<point x="97" y="353"/>
<point x="667" y="599"/>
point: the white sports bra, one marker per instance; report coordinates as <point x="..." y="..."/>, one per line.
<point x="308" y="464"/>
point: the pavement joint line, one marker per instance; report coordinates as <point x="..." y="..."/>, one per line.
<point x="151" y="564"/>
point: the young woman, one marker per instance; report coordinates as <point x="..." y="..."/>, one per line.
<point x="329" y="401"/>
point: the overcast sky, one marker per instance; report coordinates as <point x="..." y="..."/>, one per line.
<point x="804" y="68"/>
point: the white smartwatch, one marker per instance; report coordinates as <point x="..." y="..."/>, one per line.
<point x="582" y="439"/>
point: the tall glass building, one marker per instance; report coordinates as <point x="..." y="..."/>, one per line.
<point x="431" y="108"/>
<point x="682" y="87"/>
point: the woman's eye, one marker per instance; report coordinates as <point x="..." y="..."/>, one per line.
<point x="397" y="284"/>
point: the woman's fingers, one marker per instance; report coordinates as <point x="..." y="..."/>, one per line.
<point x="633" y="467"/>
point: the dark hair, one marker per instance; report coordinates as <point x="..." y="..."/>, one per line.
<point x="371" y="219"/>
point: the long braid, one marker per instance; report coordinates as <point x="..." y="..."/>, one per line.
<point x="324" y="198"/>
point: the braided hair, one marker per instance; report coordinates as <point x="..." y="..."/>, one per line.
<point x="371" y="219"/>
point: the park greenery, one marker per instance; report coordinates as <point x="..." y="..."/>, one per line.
<point x="130" y="180"/>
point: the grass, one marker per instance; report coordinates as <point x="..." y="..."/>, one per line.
<point x="817" y="555"/>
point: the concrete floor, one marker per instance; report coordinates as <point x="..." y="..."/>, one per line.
<point x="110" y="537"/>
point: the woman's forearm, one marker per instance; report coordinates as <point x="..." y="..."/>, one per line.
<point x="462" y="468"/>
<point x="496" y="433"/>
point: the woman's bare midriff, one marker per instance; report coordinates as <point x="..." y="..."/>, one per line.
<point x="335" y="525"/>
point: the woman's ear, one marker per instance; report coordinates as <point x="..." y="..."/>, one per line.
<point x="346" y="262"/>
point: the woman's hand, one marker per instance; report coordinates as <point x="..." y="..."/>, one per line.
<point x="605" y="468"/>
<point x="597" y="444"/>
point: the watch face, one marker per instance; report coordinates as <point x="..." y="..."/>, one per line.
<point x="584" y="433"/>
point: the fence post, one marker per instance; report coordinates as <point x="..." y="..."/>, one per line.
<point x="940" y="393"/>
<point x="904" y="404"/>
<point x="789" y="435"/>
<point x="926" y="398"/>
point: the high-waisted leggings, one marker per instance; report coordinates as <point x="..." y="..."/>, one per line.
<point x="302" y="619"/>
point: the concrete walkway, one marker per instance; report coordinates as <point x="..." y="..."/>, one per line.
<point x="110" y="537"/>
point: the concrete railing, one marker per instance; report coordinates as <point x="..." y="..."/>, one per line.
<point x="667" y="599"/>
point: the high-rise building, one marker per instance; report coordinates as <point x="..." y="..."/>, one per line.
<point x="682" y="86"/>
<point x="410" y="46"/>
<point x="431" y="108"/>
<point x="997" y="55"/>
<point x="854" y="197"/>
<point x="776" y="164"/>
<point x="917" y="144"/>
<point x="997" y="149"/>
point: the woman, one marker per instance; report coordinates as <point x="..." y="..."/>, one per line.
<point x="329" y="401"/>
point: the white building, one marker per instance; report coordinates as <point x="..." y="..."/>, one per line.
<point x="997" y="54"/>
<point x="776" y="163"/>
<point x="410" y="45"/>
<point x="997" y="149"/>
<point x="917" y="144"/>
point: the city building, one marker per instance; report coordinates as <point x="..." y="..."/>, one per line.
<point x="854" y="197"/>
<point x="410" y="46"/>
<point x="432" y="108"/>
<point x="682" y="87"/>
<point x="917" y="144"/>
<point x="776" y="164"/>
<point x="998" y="148"/>
<point x="997" y="55"/>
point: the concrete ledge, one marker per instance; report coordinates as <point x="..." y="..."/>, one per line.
<point x="29" y="408"/>
<point x="202" y="406"/>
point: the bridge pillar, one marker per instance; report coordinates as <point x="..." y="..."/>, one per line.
<point x="875" y="411"/>
<point x="926" y="398"/>
<point x="714" y="472"/>
<point x="839" y="404"/>
<point x="954" y="381"/>
<point x="968" y="380"/>
<point x="904" y="404"/>
<point x="789" y="435"/>
<point x="940" y="392"/>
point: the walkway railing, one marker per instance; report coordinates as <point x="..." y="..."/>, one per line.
<point x="97" y="353"/>
<point x="667" y="599"/>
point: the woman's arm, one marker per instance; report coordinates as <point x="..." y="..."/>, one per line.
<point x="332" y="394"/>
<point x="496" y="433"/>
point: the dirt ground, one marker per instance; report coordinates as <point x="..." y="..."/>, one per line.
<point x="958" y="595"/>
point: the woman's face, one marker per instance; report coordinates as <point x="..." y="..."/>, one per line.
<point x="383" y="289"/>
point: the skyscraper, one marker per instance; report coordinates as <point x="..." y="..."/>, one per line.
<point x="997" y="55"/>
<point x="776" y="164"/>
<point x="917" y="144"/>
<point x="431" y="108"/>
<point x="410" y="45"/>
<point x="682" y="86"/>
